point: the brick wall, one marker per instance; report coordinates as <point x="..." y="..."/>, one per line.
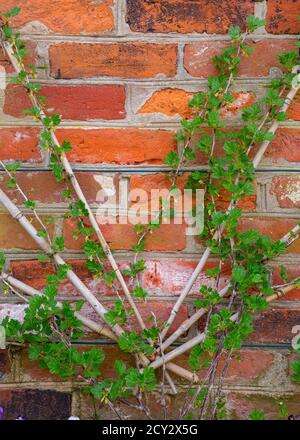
<point x="121" y="72"/>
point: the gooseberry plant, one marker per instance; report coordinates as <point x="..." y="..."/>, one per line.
<point x="50" y="328"/>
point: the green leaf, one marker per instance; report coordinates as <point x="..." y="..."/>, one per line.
<point x="257" y="414"/>
<point x="30" y="204"/>
<point x="139" y="292"/>
<point x="255" y="23"/>
<point x="172" y="159"/>
<point x="13" y="12"/>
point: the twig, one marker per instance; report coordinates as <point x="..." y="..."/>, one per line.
<point x="206" y="253"/>
<point x="69" y="171"/>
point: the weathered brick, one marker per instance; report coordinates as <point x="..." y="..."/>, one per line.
<point x="285" y="146"/>
<point x="13" y="236"/>
<point x="31" y="371"/>
<point x="30" y="57"/>
<point x="160" y="310"/>
<point x="274" y="326"/>
<point x="198" y="57"/>
<point x="275" y="228"/>
<point x="19" y="144"/>
<point x="160" y="182"/>
<point x="34" y="404"/>
<point x="169" y="101"/>
<point x="282" y="16"/>
<point x="42" y="187"/>
<point x="126" y="146"/>
<point x="241" y="404"/>
<point x="187" y="16"/>
<point x="160" y="277"/>
<point x="123" y="236"/>
<point x="129" y="60"/>
<point x="294" y="109"/>
<point x="286" y="190"/>
<point x="170" y="277"/>
<point x="80" y="102"/>
<point x="32" y="272"/>
<point x="293" y="272"/>
<point x="58" y="16"/>
<point x="173" y="102"/>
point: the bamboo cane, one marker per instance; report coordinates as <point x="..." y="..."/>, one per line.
<point x="92" y="325"/>
<point x="77" y="283"/>
<point x="182" y="372"/>
<point x="204" y="258"/>
<point x="68" y="169"/>
<point x="200" y="338"/>
<point x="288" y="239"/>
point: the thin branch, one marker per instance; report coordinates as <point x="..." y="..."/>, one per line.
<point x="206" y="253"/>
<point x="69" y="171"/>
<point x="201" y="336"/>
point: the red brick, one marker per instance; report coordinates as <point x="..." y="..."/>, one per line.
<point x="242" y="404"/>
<point x="169" y="277"/>
<point x="30" y="58"/>
<point x="275" y="228"/>
<point x="149" y="182"/>
<point x="274" y="326"/>
<point x="71" y="17"/>
<point x="187" y="16"/>
<point x="160" y="309"/>
<point x="282" y="16"/>
<point x="13" y="236"/>
<point x="129" y="60"/>
<point x="293" y="272"/>
<point x="198" y="57"/>
<point x="126" y="146"/>
<point x="19" y="144"/>
<point x="247" y="203"/>
<point x="252" y="365"/>
<point x="34" y="404"/>
<point x="82" y="102"/>
<point x="122" y="236"/>
<point x="160" y="277"/>
<point x="294" y="109"/>
<point x="42" y="186"/>
<point x="286" y="189"/>
<point x="32" y="272"/>
<point x="285" y="146"/>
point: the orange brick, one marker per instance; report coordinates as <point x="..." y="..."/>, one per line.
<point x="19" y="144"/>
<point x="128" y="60"/>
<point x="126" y="146"/>
<point x="122" y="236"/>
<point x="13" y="236"/>
<point x="282" y="16"/>
<point x="59" y="16"/>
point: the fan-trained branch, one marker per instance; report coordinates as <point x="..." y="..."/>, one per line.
<point x="28" y="290"/>
<point x="69" y="171"/>
<point x="200" y="338"/>
<point x="206" y="254"/>
<point x="288" y="239"/>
